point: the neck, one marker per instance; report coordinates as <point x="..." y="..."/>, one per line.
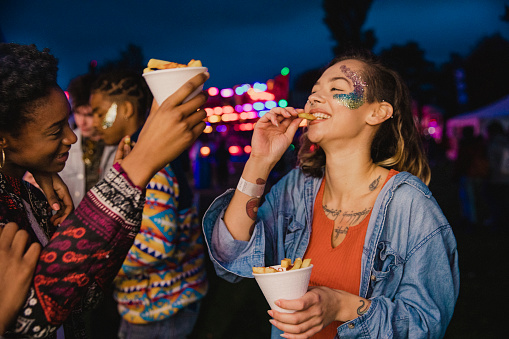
<point x="349" y="174"/>
<point x="13" y="171"/>
<point x="132" y="126"/>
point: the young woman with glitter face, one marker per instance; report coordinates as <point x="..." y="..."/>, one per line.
<point x="384" y="256"/>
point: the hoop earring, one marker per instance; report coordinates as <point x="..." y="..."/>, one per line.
<point x="3" y="159"/>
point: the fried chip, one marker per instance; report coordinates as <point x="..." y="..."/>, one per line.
<point x="286" y="262"/>
<point x="194" y="63"/>
<point x="258" y="269"/>
<point x="296" y="264"/>
<point x="307" y="116"/>
<point x="306" y="263"/>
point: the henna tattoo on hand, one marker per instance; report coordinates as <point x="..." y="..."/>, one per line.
<point x="252" y="208"/>
<point x="361" y="311"/>
<point x="374" y="184"/>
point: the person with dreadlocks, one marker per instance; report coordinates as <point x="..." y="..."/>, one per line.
<point x="83" y="255"/>
<point x="163" y="279"/>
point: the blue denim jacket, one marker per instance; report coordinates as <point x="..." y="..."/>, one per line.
<point x="409" y="262"/>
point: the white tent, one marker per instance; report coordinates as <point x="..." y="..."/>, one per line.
<point x="479" y="120"/>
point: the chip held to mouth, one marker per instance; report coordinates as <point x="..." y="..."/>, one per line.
<point x="307" y="116"/>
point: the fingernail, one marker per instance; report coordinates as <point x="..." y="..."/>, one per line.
<point x="278" y="303"/>
<point x="272" y="321"/>
<point x="270" y="313"/>
<point x="56" y="206"/>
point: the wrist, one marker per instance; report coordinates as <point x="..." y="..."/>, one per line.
<point x="138" y="171"/>
<point x="254" y="190"/>
<point x="257" y="167"/>
<point x="351" y="306"/>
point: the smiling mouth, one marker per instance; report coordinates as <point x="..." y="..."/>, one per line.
<point x="321" y="116"/>
<point x="62" y="155"/>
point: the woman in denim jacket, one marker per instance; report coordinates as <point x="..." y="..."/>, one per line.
<point x="361" y="166"/>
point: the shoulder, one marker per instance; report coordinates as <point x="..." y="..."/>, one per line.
<point x="296" y="179"/>
<point x="412" y="209"/>
<point x="292" y="185"/>
<point x="406" y="183"/>
<point x="409" y="200"/>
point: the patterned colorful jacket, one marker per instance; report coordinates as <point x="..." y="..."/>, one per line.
<point x="164" y="271"/>
<point x="85" y="252"/>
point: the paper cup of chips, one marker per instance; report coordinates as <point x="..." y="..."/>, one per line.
<point x="163" y="82"/>
<point x="283" y="284"/>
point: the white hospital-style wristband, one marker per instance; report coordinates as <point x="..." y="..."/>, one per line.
<point x="253" y="190"/>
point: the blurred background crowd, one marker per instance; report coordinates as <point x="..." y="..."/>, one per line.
<point x="460" y="105"/>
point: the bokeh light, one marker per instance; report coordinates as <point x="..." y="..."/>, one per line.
<point x="235" y="150"/>
<point x="213" y="91"/>
<point x="227" y="92"/>
<point x="205" y="151"/>
<point x="258" y="106"/>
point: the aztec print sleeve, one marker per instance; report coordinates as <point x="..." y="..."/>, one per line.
<point x="89" y="247"/>
<point x="159" y="234"/>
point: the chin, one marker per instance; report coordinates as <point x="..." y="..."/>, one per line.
<point x="57" y="168"/>
<point x="109" y="141"/>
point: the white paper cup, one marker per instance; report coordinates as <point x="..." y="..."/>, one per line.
<point x="165" y="82"/>
<point x="287" y="285"/>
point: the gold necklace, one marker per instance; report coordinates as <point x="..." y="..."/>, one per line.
<point x="89" y="149"/>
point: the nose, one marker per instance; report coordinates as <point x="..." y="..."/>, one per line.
<point x="314" y="99"/>
<point x="69" y="138"/>
<point x="96" y="123"/>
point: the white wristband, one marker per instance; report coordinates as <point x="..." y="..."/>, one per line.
<point x="253" y="190"/>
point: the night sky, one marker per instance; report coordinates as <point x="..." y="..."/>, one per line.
<point x="239" y="41"/>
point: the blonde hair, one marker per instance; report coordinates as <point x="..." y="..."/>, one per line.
<point x="397" y="143"/>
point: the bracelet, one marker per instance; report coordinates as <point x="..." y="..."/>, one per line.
<point x="253" y="190"/>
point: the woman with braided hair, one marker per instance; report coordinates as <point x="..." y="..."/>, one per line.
<point x="384" y="256"/>
<point x="82" y="255"/>
<point x="163" y="279"/>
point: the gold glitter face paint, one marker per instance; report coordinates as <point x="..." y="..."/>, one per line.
<point x="355" y="99"/>
<point x="110" y="116"/>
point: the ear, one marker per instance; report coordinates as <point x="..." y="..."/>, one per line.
<point x="127" y="110"/>
<point x="3" y="142"/>
<point x="381" y="111"/>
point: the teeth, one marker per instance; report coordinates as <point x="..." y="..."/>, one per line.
<point x="321" y="116"/>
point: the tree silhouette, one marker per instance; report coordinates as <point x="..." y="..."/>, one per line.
<point x="487" y="72"/>
<point x="345" y="20"/>
<point x="410" y="62"/>
<point x="130" y="59"/>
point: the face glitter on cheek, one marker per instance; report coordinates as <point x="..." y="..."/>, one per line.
<point x="355" y="99"/>
<point x="110" y="116"/>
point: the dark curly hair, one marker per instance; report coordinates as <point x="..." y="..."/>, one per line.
<point x="125" y="85"/>
<point x="26" y="76"/>
<point x="79" y="90"/>
<point x="397" y="143"/>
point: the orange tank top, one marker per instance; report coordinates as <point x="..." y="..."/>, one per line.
<point x="335" y="267"/>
